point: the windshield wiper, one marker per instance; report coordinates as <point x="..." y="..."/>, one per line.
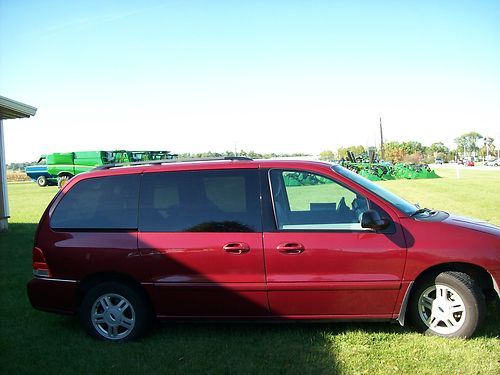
<point x="420" y="211"/>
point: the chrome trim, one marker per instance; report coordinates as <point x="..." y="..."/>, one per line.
<point x="404" y="304"/>
<point x="41" y="273"/>
<point x="57" y="280"/>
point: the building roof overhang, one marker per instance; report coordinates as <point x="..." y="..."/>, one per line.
<point x="10" y="109"/>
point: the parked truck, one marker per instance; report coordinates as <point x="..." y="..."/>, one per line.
<point x="60" y="167"/>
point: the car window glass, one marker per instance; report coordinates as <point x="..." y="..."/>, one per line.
<point x="376" y="189"/>
<point x="307" y="201"/>
<point x="227" y="193"/>
<point x="99" y="203"/>
<point x="200" y="201"/>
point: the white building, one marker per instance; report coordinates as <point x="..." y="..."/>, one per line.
<point x="9" y="109"/>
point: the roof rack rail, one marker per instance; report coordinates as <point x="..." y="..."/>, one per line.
<point x="169" y="161"/>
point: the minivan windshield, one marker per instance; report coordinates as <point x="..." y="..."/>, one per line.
<point x="386" y="195"/>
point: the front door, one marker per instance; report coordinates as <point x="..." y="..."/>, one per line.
<point x="200" y="238"/>
<point x="319" y="261"/>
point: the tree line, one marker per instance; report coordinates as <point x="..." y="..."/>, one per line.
<point x="19" y="166"/>
<point x="469" y="145"/>
<point x="248" y="154"/>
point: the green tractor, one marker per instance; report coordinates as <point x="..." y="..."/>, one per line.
<point x="413" y="171"/>
<point x="382" y="171"/>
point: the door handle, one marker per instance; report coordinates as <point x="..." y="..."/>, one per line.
<point x="236" y="248"/>
<point x="290" y="248"/>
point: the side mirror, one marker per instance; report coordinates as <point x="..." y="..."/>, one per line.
<point x="371" y="219"/>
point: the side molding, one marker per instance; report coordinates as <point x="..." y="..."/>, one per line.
<point x="495" y="285"/>
<point x="402" y="310"/>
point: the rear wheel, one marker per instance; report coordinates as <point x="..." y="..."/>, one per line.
<point x="449" y="304"/>
<point x="114" y="312"/>
<point x="42" y="181"/>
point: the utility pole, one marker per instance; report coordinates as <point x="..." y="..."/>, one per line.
<point x="382" y="149"/>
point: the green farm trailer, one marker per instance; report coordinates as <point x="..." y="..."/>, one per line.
<point x="63" y="166"/>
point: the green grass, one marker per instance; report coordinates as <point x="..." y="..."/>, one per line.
<point x="474" y="194"/>
<point x="42" y="343"/>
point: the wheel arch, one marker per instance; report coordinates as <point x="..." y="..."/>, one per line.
<point x="479" y="274"/>
<point x="93" y="280"/>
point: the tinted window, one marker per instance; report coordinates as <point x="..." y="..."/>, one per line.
<point x="307" y="201"/>
<point x="200" y="201"/>
<point x="99" y="203"/>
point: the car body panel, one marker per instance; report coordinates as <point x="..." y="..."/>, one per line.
<point x="192" y="272"/>
<point x="334" y="272"/>
<point x="449" y="242"/>
<point x="346" y="275"/>
<point x="53" y="295"/>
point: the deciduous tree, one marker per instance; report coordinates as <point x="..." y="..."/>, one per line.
<point x="467" y="143"/>
<point x="356" y="150"/>
<point x="327" y="155"/>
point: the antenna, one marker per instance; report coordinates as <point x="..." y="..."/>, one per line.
<point x="382" y="149"/>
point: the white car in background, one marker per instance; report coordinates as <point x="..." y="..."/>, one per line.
<point x="493" y="163"/>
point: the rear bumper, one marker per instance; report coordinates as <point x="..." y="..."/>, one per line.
<point x="53" y="295"/>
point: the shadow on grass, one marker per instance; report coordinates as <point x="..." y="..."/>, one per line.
<point x="58" y="343"/>
<point x="47" y="343"/>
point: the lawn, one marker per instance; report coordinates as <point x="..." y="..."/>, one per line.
<point x="475" y="194"/>
<point x="42" y="343"/>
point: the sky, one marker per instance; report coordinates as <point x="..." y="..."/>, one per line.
<point x="268" y="76"/>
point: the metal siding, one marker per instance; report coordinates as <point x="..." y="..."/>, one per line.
<point x="9" y="109"/>
<point x="4" y="203"/>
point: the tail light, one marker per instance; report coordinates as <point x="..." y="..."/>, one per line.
<point x="40" y="266"/>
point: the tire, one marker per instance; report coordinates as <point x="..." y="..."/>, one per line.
<point x="63" y="180"/>
<point x="113" y="311"/>
<point x="456" y="314"/>
<point x="42" y="181"/>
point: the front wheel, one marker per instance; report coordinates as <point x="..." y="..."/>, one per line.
<point x="114" y="312"/>
<point x="448" y="305"/>
<point x="42" y="181"/>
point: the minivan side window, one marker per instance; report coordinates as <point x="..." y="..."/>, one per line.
<point x="200" y="201"/>
<point x="99" y="203"/>
<point x="308" y="201"/>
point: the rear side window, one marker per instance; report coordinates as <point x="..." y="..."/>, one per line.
<point x="99" y="203"/>
<point x="200" y="201"/>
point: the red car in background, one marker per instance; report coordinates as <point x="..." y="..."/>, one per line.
<point x="256" y="239"/>
<point x="469" y="163"/>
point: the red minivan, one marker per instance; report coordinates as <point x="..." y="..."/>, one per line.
<point x="256" y="239"/>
